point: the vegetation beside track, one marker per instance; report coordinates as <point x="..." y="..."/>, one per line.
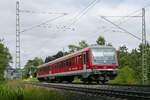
<point x="17" y="90"/>
<point x="126" y="76"/>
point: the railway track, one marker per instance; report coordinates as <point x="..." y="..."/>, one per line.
<point x="129" y="92"/>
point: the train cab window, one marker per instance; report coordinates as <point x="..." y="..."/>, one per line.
<point x="79" y="59"/>
<point x="72" y="61"/>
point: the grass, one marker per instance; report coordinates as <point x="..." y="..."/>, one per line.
<point x="31" y="80"/>
<point x="16" y="90"/>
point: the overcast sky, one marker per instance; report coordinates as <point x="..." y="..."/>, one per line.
<point x="55" y="35"/>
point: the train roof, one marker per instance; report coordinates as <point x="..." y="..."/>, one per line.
<point x="71" y="54"/>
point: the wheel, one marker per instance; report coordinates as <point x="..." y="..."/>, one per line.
<point x="70" y="80"/>
<point x="98" y="82"/>
<point x="84" y="81"/>
<point x="103" y="82"/>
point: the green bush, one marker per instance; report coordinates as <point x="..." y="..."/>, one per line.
<point x="125" y="76"/>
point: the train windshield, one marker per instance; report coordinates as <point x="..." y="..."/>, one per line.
<point x="103" y="56"/>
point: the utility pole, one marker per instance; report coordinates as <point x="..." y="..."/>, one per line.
<point x="144" y="51"/>
<point x="17" y="62"/>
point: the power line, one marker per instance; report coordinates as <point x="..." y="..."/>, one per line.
<point x="121" y="28"/>
<point x="83" y="12"/>
<point x="146" y="6"/>
<point x="122" y="16"/>
<point x="38" y="25"/>
<point x="43" y="12"/>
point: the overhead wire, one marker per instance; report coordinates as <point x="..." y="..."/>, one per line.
<point x="83" y="12"/>
<point x="43" y="12"/>
<point x="138" y="10"/>
<point x="45" y="22"/>
<point x="123" y="29"/>
<point x="128" y="16"/>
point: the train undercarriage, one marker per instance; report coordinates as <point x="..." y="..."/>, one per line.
<point x="100" y="77"/>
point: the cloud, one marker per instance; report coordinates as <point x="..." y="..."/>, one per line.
<point x="56" y="35"/>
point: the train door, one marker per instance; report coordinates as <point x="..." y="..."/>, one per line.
<point x="73" y="63"/>
<point x="69" y="64"/>
<point x="85" y="60"/>
<point x="80" y="61"/>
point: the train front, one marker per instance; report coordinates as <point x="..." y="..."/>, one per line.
<point x="104" y="63"/>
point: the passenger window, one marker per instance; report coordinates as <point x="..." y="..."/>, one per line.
<point x="87" y="56"/>
<point x="64" y="64"/>
<point x="84" y="59"/>
<point x="79" y="59"/>
<point x="67" y="62"/>
<point x="72" y="60"/>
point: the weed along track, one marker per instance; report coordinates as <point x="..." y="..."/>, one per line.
<point x="14" y="90"/>
<point x="129" y="92"/>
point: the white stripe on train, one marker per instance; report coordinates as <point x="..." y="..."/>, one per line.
<point x="75" y="72"/>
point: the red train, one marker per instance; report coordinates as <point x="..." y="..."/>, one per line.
<point x="95" y="63"/>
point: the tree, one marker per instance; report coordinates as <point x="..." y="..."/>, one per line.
<point x="49" y="58"/>
<point x="101" y="40"/>
<point x="123" y="56"/>
<point x="82" y="44"/>
<point x="133" y="60"/>
<point x="109" y="44"/>
<point x="58" y="55"/>
<point x="5" y="59"/>
<point x="31" y="67"/>
<point x="123" y="49"/>
<point x="73" y="48"/>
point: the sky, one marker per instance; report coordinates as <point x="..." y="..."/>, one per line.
<point x="77" y="24"/>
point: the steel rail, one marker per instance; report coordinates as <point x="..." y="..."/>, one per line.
<point x="110" y="92"/>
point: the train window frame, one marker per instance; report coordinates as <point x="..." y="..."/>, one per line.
<point x="59" y="64"/>
<point x="79" y="59"/>
<point x="72" y="60"/>
<point x="50" y="68"/>
<point x="67" y="63"/>
<point x="84" y="59"/>
<point x="56" y="65"/>
<point x="64" y="63"/>
<point x="87" y="56"/>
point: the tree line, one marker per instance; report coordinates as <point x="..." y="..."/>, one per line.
<point x="130" y="61"/>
